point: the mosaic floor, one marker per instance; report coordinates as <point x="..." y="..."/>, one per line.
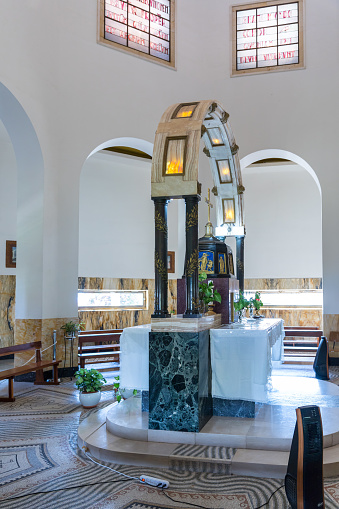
<point x="41" y="465"/>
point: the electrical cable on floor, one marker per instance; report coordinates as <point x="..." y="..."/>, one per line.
<point x="64" y="489"/>
<point x="109" y="468"/>
<point x="263" y="505"/>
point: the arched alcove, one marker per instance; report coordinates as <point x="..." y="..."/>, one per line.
<point x="283" y="247"/>
<point x="29" y="234"/>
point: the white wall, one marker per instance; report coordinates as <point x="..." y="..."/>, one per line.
<point x="79" y="94"/>
<point x="283" y="223"/>
<point x="8" y="197"/>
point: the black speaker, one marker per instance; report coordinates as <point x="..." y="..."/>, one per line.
<point x="304" y="484"/>
<point x="320" y="364"/>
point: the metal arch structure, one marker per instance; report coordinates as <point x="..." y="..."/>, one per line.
<point x="183" y="125"/>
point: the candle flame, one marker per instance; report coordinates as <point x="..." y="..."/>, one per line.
<point x="216" y="141"/>
<point x="174" y="167"/>
<point x="185" y="113"/>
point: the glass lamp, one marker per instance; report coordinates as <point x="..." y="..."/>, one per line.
<point x="175" y="156"/>
<point x="185" y="110"/>
<point x="224" y="171"/>
<point x="215" y="136"/>
<point x="228" y="210"/>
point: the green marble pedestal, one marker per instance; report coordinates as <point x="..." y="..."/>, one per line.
<point x="179" y="380"/>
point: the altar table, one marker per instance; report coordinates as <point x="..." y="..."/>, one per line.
<point x="241" y="358"/>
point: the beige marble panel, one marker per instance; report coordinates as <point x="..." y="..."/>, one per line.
<point x="283" y="284"/>
<point x="125" y="318"/>
<point x="7" y="310"/>
<point x="29" y="330"/>
<point x="304" y="317"/>
<point x="331" y="323"/>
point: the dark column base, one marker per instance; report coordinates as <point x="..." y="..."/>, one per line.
<point x="161" y="315"/>
<point x="233" y="408"/>
<point x="179" y="381"/>
<point x="193" y="315"/>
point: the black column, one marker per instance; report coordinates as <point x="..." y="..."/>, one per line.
<point x="160" y="259"/>
<point x="192" y="258"/>
<point x="240" y="241"/>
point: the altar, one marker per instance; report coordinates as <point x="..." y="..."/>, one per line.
<point x="241" y="358"/>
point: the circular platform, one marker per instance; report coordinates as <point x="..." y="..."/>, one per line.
<point x="258" y="446"/>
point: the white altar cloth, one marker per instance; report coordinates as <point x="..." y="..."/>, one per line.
<point x="241" y="358"/>
<point x="134" y="357"/>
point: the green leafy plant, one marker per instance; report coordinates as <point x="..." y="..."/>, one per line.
<point x="256" y="301"/>
<point x="89" y="380"/>
<point x="117" y="389"/>
<point x="72" y="327"/>
<point x="207" y="292"/>
<point x="242" y="303"/>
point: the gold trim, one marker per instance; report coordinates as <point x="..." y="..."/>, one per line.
<point x="160" y="223"/>
<point x="225" y="117"/>
<point x="192" y="218"/>
<point x="160" y="267"/>
<point x="192" y="264"/>
<point x="234" y="149"/>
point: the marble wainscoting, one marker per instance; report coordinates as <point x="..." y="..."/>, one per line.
<point x="180" y="381"/>
<point x="331" y="323"/>
<point x="283" y="284"/>
<point x="292" y="315"/>
<point x="7" y="310"/>
<point x="123" y="318"/>
<point x="28" y="330"/>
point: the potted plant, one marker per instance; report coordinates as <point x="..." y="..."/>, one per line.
<point x="207" y="293"/>
<point x="121" y="393"/>
<point x="89" y="383"/>
<point x="71" y="328"/>
<point x="257" y="303"/>
<point x="241" y="304"/>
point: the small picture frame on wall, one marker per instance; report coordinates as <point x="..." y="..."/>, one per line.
<point x="11" y="254"/>
<point x="171" y="261"/>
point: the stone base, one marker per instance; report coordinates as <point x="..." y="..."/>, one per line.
<point x="179" y="381"/>
<point x="234" y="408"/>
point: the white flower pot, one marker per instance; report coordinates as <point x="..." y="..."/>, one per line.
<point x="89" y="399"/>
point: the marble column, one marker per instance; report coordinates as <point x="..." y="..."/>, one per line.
<point x="240" y="241"/>
<point x="160" y="259"/>
<point x="192" y="258"/>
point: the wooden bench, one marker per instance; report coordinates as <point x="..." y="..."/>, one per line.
<point x="36" y="366"/>
<point x="99" y="346"/>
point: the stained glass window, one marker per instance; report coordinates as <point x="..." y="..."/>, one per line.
<point x="141" y="25"/>
<point x="268" y="36"/>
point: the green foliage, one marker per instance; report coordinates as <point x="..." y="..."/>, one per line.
<point x="257" y="302"/>
<point x="89" y="380"/>
<point x="242" y="303"/>
<point x="72" y="327"/>
<point x="207" y="292"/>
<point x="117" y="389"/>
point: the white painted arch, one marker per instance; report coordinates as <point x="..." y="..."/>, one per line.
<point x="137" y="143"/>
<point x="282" y="154"/>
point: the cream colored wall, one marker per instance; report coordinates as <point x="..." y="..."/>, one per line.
<point x="79" y="94"/>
